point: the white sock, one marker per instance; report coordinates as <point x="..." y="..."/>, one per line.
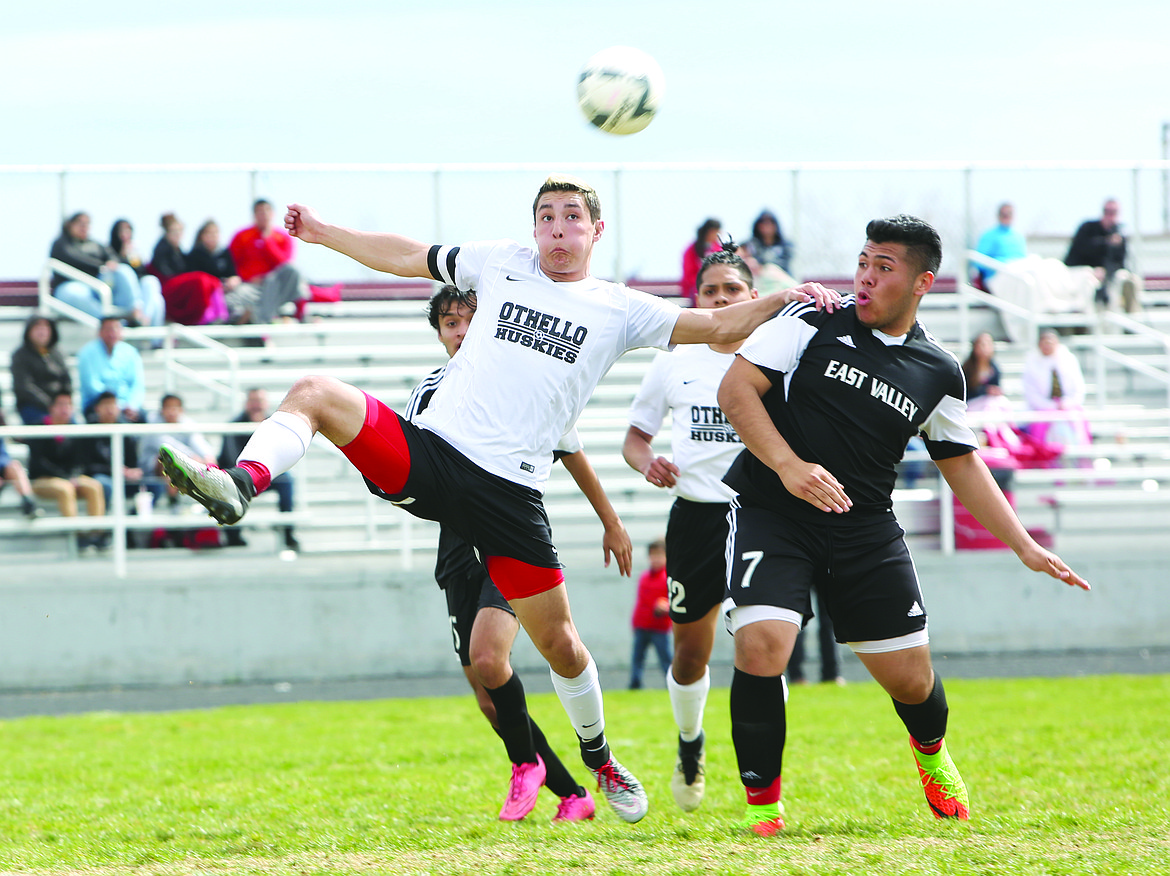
<point x="688" y="702"/>
<point x="581" y="699"/>
<point x="278" y="443"/>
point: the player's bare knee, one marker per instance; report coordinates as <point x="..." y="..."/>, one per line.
<point x="687" y="667"/>
<point x="566" y="655"/>
<point x="910" y="690"/>
<point x="491" y="667"/>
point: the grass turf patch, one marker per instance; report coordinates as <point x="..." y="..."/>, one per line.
<point x="1067" y="776"/>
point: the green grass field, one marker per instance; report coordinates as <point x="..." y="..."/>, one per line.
<point x="1067" y="776"/>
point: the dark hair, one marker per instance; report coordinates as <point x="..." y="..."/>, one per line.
<point x="256" y="203"/>
<point x="970" y="365"/>
<point x="170" y="396"/>
<point x="725" y="255"/>
<point x="54" y="335"/>
<point x="659" y="544"/>
<point x="115" y="239"/>
<point x="562" y="182"/>
<point x="918" y="236"/>
<point x="764" y="216"/>
<point x="103" y="396"/>
<point x="446" y="300"/>
<point x="69" y="221"/>
<point x="202" y="229"/>
<point x="701" y="233"/>
<point x="167" y="221"/>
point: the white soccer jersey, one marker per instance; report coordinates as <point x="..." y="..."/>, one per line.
<point x="702" y="442"/>
<point x="420" y="398"/>
<point x="532" y="356"/>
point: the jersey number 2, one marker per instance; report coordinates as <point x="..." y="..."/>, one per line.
<point x="677" y="594"/>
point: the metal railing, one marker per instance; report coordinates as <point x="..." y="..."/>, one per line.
<point x="49" y="304"/>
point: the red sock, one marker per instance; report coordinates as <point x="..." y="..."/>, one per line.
<point x="933" y="748"/>
<point x="762" y="796"/>
<point x="258" y="472"/>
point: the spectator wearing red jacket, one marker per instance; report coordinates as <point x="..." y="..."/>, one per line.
<point x="263" y="256"/>
<point x="651" y="618"/>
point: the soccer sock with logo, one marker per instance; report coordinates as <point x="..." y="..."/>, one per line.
<point x="581" y="699"/>
<point x="758" y="729"/>
<point x="512" y="722"/>
<point x="688" y="701"/>
<point x="277" y="445"/>
<point x="557" y="778"/>
<point x="926" y="721"/>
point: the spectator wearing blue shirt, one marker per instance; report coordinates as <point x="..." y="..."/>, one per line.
<point x="109" y="364"/>
<point x="1002" y="242"/>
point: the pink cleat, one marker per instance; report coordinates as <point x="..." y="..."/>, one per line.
<point x="574" y="808"/>
<point x="526" y="781"/>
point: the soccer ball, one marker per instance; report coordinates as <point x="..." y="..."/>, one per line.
<point x="619" y="89"/>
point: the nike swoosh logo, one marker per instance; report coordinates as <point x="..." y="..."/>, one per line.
<point x="594" y="724"/>
<point x="513" y="279"/>
<point x="685" y="382"/>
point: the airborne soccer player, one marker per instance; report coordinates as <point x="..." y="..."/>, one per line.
<point x="484" y="626"/>
<point x="478" y="458"/>
<point x="825" y="403"/>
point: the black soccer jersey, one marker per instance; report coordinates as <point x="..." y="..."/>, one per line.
<point x="849" y="398"/>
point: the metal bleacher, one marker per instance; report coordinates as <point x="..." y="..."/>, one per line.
<point x="384" y="346"/>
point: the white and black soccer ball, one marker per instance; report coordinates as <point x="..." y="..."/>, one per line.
<point x="619" y="89"/>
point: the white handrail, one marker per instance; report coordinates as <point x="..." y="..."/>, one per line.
<point x="200" y="339"/>
<point x="49" y="303"/>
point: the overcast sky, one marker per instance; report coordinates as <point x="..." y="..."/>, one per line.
<point x="389" y="81"/>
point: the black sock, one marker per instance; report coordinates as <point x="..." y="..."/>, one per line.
<point x="926" y="721"/>
<point x="758" y="727"/>
<point x="557" y="778"/>
<point x="243" y="481"/>
<point x="513" y="723"/>
<point x="595" y="751"/>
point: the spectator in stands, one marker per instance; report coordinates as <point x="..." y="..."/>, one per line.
<point x="75" y="248"/>
<point x="263" y="255"/>
<point x="1099" y="244"/>
<point x="107" y="363"/>
<point x="256" y="410"/>
<point x="98" y="454"/>
<point x="55" y="466"/>
<point x="122" y="243"/>
<point x="207" y="256"/>
<point x="39" y="371"/>
<point x="706" y="240"/>
<point x="188" y="439"/>
<point x="193" y="297"/>
<point x="980" y="372"/>
<point x="651" y="618"/>
<point x="11" y="471"/>
<point x="1053" y="381"/>
<point x="982" y="375"/>
<point x="1000" y="242"/>
<point x="767" y="252"/>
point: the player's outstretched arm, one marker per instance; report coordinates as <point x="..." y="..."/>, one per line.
<point x="726" y="325"/>
<point x="616" y="540"/>
<point x="636" y="451"/>
<point x="391" y="253"/>
<point x="741" y="399"/>
<point x="973" y="484"/>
